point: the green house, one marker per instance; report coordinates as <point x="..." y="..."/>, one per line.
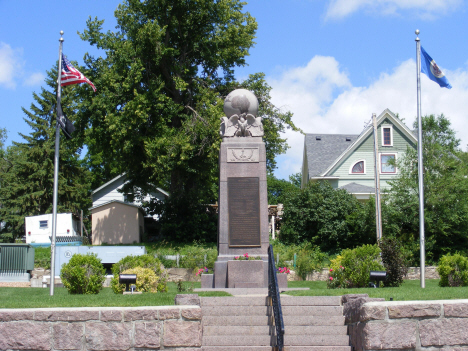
<point x="347" y="160"/>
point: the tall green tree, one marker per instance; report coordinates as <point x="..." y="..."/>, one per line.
<point x="325" y="217"/>
<point x="27" y="172"/>
<point x="445" y="193"/>
<point x="161" y="86"/>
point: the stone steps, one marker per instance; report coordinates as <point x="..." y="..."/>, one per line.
<point x="269" y="348"/>
<point x="246" y="324"/>
<point x="267" y="329"/>
<point x="265" y="310"/>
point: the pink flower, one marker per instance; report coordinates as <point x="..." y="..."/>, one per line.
<point x="236" y="258"/>
<point x="331" y="278"/>
<point x="331" y="270"/>
<point x="341" y="267"/>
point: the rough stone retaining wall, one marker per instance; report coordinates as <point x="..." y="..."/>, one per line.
<point x="413" y="274"/>
<point x="102" y="328"/>
<point x="406" y="325"/>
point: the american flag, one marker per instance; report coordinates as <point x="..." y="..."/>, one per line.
<point x="70" y="75"/>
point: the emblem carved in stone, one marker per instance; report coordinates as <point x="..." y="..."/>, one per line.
<point x="242" y="154"/>
<point x="241" y="108"/>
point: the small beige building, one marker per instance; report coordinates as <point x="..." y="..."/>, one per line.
<point x="117" y="222"/>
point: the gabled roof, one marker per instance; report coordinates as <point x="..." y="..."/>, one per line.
<point x="323" y="149"/>
<point x="119" y="202"/>
<point x="118" y="178"/>
<point x="109" y="182"/>
<point x="363" y="136"/>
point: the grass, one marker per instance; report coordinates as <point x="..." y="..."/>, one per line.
<point x="410" y="290"/>
<point x="40" y="298"/>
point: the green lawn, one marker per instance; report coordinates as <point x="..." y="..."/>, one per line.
<point x="410" y="290"/>
<point x="40" y="298"/>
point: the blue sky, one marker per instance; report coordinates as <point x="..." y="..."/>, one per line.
<point x="331" y="62"/>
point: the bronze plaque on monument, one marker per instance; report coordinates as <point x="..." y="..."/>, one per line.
<point x="244" y="211"/>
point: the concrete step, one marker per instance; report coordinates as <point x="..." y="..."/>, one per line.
<point x="316" y="330"/>
<point x="236" y="320"/>
<point x="236" y="310"/>
<point x="234" y="301"/>
<point x="242" y="348"/>
<point x="316" y="340"/>
<point x="266" y="340"/>
<point x="287" y="300"/>
<point x="314" y="348"/>
<point x="269" y="348"/>
<point x="264" y="320"/>
<point x="312" y="320"/>
<point x="267" y="330"/>
<point x="312" y="310"/>
<point x="237" y="330"/>
<point x="265" y="310"/>
<point x="238" y="340"/>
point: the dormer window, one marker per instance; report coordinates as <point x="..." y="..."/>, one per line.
<point x="358" y="167"/>
<point x="387" y="135"/>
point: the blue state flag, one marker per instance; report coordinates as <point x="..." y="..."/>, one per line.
<point x="430" y="68"/>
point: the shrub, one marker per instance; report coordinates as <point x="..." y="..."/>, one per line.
<point x="147" y="280"/>
<point x="351" y="268"/>
<point x="393" y="260"/>
<point x="143" y="261"/>
<point x="309" y="259"/>
<point x="194" y="257"/>
<point x="83" y="274"/>
<point x="453" y="270"/>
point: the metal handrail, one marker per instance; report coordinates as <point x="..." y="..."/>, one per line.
<point x="274" y="294"/>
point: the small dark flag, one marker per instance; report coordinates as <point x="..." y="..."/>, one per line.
<point x="67" y="126"/>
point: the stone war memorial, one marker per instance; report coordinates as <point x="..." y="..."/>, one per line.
<point x="243" y="201"/>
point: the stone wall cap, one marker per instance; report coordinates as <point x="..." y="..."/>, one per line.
<point x="70" y="309"/>
<point x="415" y="302"/>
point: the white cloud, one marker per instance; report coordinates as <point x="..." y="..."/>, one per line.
<point x="34" y="79"/>
<point x="10" y="65"/>
<point x="323" y="101"/>
<point x="424" y="8"/>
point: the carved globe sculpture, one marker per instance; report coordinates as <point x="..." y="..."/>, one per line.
<point x="240" y="101"/>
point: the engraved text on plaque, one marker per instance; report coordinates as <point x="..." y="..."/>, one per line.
<point x="244" y="211"/>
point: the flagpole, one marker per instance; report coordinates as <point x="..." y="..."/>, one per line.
<point x="56" y="170"/>
<point x="420" y="167"/>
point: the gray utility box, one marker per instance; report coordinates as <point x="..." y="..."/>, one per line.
<point x="16" y="260"/>
<point x="108" y="254"/>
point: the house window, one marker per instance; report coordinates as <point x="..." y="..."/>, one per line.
<point x="387" y="135"/>
<point x="43" y="224"/>
<point x="358" y="167"/>
<point x="387" y="163"/>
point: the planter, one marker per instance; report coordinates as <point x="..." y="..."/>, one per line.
<point x="282" y="280"/>
<point x="207" y="281"/>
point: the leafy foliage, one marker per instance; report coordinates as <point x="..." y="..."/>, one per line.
<point x="393" y="260"/>
<point x="27" y="168"/>
<point x="309" y="260"/>
<point x="351" y="269"/>
<point x="142" y="261"/>
<point x="321" y="215"/>
<point x="162" y="81"/>
<point x="147" y="280"/>
<point x="194" y="257"/>
<point x="280" y="189"/>
<point x="453" y="270"/>
<point x="83" y="274"/>
<point x="445" y="193"/>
